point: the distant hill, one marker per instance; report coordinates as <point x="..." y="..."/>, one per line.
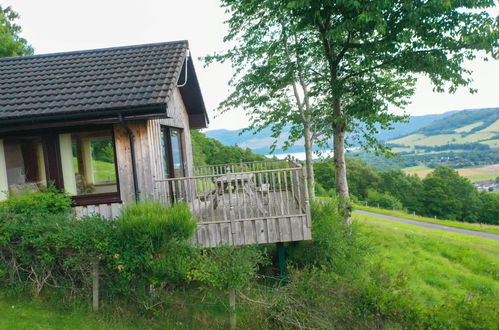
<point x="262" y="141"/>
<point x="459" y="128"/>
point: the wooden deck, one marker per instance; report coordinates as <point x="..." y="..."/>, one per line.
<point x="246" y="203"/>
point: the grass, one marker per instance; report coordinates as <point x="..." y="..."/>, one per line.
<point x="467" y="128"/>
<point x="451" y="223"/>
<point x="475" y="174"/>
<point x="189" y="309"/>
<point x="103" y="171"/>
<point x="24" y="314"/>
<point x="423" y="140"/>
<point x="440" y="266"/>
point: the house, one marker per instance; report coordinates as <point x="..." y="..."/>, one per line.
<point x="112" y="126"/>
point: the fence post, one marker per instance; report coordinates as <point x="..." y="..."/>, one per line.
<point x="232" y="306"/>
<point x="95" y="285"/>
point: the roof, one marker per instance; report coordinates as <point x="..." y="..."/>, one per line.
<point x="132" y="80"/>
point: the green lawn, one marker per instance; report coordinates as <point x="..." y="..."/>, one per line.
<point x="440" y="266"/>
<point x="457" y="224"/>
<point x="104" y="171"/>
<point x="21" y="314"/>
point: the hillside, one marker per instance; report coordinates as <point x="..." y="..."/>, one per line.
<point x="459" y="128"/>
<point x="260" y="143"/>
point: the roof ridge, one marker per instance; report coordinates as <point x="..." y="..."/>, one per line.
<point x="85" y="51"/>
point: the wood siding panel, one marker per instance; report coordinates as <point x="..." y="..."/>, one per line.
<point x="108" y="211"/>
<point x="252" y="231"/>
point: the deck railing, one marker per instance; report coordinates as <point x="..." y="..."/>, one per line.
<point x="241" y="167"/>
<point x="233" y="192"/>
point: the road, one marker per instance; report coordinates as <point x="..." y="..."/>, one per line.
<point x="431" y="225"/>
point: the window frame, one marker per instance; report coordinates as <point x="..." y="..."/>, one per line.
<point x="167" y="140"/>
<point x="53" y="165"/>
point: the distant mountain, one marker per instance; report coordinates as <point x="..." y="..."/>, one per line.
<point x="262" y="141"/>
<point x="463" y="127"/>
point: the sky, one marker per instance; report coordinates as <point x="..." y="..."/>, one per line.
<point x="66" y="25"/>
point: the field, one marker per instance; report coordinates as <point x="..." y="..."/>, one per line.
<point x="440" y="266"/>
<point x="460" y="136"/>
<point x="456" y="224"/>
<point x="489" y="172"/>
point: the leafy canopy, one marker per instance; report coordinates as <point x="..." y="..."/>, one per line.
<point x="11" y="44"/>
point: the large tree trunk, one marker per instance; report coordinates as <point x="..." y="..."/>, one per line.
<point x="309" y="161"/>
<point x="340" y="167"/>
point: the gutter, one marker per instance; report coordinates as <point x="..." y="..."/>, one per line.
<point x="134" y="161"/>
<point x="97" y="114"/>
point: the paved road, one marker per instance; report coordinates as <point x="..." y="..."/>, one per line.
<point x="431" y="225"/>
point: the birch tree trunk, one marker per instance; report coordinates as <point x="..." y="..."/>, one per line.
<point x="341" y="184"/>
<point x="309" y="161"/>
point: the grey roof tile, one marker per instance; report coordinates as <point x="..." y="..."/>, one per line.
<point x="91" y="80"/>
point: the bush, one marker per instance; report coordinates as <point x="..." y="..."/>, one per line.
<point x="335" y="245"/>
<point x="226" y="267"/>
<point x="45" y="246"/>
<point x="152" y="245"/>
<point x="383" y="200"/>
<point x="49" y="201"/>
<point x="316" y="299"/>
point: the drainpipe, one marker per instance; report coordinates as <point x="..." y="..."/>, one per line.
<point x="132" y="151"/>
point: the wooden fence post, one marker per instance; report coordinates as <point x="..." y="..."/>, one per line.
<point x="95" y="285"/>
<point x="232" y="306"/>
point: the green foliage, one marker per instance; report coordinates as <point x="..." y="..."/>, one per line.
<point x="336" y="246"/>
<point x="49" y="201"/>
<point x="383" y="200"/>
<point x="11" y="44"/>
<point x="361" y="177"/>
<point x="44" y="246"/>
<point x="208" y="151"/>
<point x="41" y="249"/>
<point x="227" y="267"/>
<point x="152" y="245"/>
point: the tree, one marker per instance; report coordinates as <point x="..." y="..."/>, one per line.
<point x="11" y="44"/>
<point x="274" y="66"/>
<point x="365" y="55"/>
<point x="447" y="195"/>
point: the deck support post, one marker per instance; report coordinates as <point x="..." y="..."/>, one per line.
<point x="283" y="271"/>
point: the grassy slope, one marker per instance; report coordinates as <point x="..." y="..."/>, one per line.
<point x="186" y="310"/>
<point x="15" y="314"/>
<point x="483" y="136"/>
<point x="456" y="224"/>
<point x="440" y="266"/>
<point x="482" y="173"/>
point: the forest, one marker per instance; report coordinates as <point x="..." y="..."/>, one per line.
<point x="443" y="194"/>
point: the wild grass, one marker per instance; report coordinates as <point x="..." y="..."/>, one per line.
<point x="440" y="266"/>
<point x="451" y="223"/>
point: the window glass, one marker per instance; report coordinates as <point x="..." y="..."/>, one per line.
<point x="173" y="158"/>
<point x="178" y="162"/>
<point x="165" y="144"/>
<point x="24" y="164"/>
<point x="88" y="162"/>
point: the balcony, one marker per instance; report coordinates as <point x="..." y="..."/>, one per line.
<point x="244" y="203"/>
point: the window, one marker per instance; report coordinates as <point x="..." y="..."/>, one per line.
<point x="88" y="163"/>
<point x="81" y="162"/>
<point x="24" y="164"/>
<point x="173" y="155"/>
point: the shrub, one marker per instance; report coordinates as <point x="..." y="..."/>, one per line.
<point x="46" y="202"/>
<point x="152" y="245"/>
<point x="383" y="200"/>
<point x="335" y="245"/>
<point x="226" y="267"/>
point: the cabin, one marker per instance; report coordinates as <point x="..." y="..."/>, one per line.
<point x="112" y="126"/>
